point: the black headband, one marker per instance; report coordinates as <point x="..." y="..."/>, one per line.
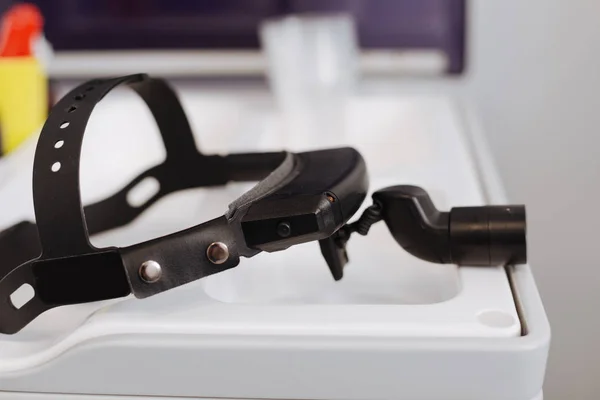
<point x="300" y="197"/>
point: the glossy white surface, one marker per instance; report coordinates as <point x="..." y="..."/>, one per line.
<point x="385" y="293"/>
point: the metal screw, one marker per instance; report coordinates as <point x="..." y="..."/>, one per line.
<point x="284" y="229"/>
<point x="217" y="253"/>
<point x="150" y="271"/>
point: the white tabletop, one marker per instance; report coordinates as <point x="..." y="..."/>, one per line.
<point x="385" y="292"/>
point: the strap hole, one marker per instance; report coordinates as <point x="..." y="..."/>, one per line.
<point x="89" y="88"/>
<point x="143" y="191"/>
<point x="64" y="125"/>
<point x="55" y="167"/>
<point x="71" y="109"/>
<point x="80" y="96"/>
<point x="22" y="295"/>
<point x="59" y="144"/>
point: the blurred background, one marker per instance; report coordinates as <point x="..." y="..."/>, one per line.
<point x="528" y="70"/>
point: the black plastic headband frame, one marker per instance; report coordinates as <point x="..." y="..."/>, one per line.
<point x="323" y="188"/>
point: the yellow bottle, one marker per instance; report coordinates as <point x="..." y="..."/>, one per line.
<point x="23" y="100"/>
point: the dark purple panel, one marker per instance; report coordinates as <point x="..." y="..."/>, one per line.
<point x="232" y="24"/>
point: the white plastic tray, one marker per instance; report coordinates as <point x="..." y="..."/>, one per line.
<point x="385" y="293"/>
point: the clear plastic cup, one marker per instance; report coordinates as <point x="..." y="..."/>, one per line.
<point x="313" y="70"/>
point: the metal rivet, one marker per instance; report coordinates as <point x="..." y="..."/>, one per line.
<point x="284" y="229"/>
<point x="217" y="253"/>
<point x="150" y="271"/>
<point x="330" y="197"/>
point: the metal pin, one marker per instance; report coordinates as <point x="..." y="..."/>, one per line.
<point x="150" y="271"/>
<point x="217" y="253"/>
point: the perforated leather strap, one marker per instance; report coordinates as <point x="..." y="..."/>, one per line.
<point x="69" y="269"/>
<point x="62" y="227"/>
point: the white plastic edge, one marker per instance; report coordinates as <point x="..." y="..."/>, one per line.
<point x="199" y="63"/>
<point x="536" y="328"/>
